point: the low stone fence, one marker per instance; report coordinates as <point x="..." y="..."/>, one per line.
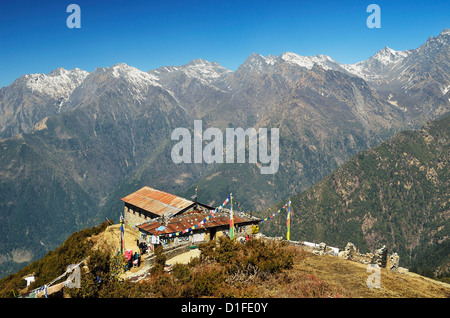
<point x="380" y="257"/>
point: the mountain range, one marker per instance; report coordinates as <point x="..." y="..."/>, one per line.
<point x="75" y="142"/>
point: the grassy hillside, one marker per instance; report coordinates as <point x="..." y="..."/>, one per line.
<point x="395" y="194"/>
<point x="74" y="249"/>
<point x="257" y="269"/>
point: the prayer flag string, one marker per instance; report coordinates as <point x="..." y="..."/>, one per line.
<point x="231" y="217"/>
<point x="274" y="214"/>
<point x="230" y="199"/>
<point x="212" y="212"/>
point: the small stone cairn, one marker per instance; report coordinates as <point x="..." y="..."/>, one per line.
<point x="349" y="252"/>
<point x="380" y="257"/>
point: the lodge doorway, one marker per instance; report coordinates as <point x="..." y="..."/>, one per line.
<point x="212" y="234"/>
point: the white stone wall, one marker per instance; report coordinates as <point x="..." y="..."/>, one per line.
<point x="134" y="217"/>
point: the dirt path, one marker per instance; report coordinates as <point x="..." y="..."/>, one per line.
<point x="184" y="258"/>
<point x="111" y="236"/>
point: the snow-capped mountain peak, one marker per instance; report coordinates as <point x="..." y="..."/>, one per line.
<point x="324" y="61"/>
<point x="257" y="62"/>
<point x="132" y="75"/>
<point x="32" y="97"/>
<point x="435" y="43"/>
<point x="57" y="84"/>
<point x="377" y="65"/>
<point x="388" y="56"/>
<point x="304" y="61"/>
<point x="199" y="69"/>
<point x="122" y="78"/>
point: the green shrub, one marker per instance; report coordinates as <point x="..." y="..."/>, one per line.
<point x="206" y="281"/>
<point x="259" y="255"/>
<point x="182" y="273"/>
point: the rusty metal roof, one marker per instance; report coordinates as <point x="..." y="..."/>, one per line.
<point x="156" y="201"/>
<point x="189" y="220"/>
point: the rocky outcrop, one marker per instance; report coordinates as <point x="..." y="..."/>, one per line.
<point x="349" y="252"/>
<point x="394" y="262"/>
<point x="380" y="257"/>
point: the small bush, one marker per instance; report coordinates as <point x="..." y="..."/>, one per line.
<point x="206" y="281"/>
<point x="207" y="251"/>
<point x="182" y="273"/>
<point x="265" y="256"/>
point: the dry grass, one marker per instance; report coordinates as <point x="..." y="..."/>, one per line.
<point x="325" y="276"/>
<point x="349" y="278"/>
<point x="311" y="276"/>
<point x="111" y="238"/>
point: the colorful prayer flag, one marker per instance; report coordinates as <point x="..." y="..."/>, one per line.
<point x="231" y="218"/>
<point x="122" y="240"/>
<point x="288" y="223"/>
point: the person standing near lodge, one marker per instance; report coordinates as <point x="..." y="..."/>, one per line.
<point x="142" y="247"/>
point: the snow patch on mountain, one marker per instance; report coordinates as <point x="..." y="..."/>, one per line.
<point x="379" y="64"/>
<point x="203" y="69"/>
<point x="388" y="56"/>
<point x="133" y="75"/>
<point x="200" y="69"/>
<point x="57" y="84"/>
<point x="120" y="78"/>
<point x="324" y="61"/>
<point x="257" y="62"/>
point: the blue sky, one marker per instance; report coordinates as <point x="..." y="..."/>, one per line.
<point x="34" y="37"/>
